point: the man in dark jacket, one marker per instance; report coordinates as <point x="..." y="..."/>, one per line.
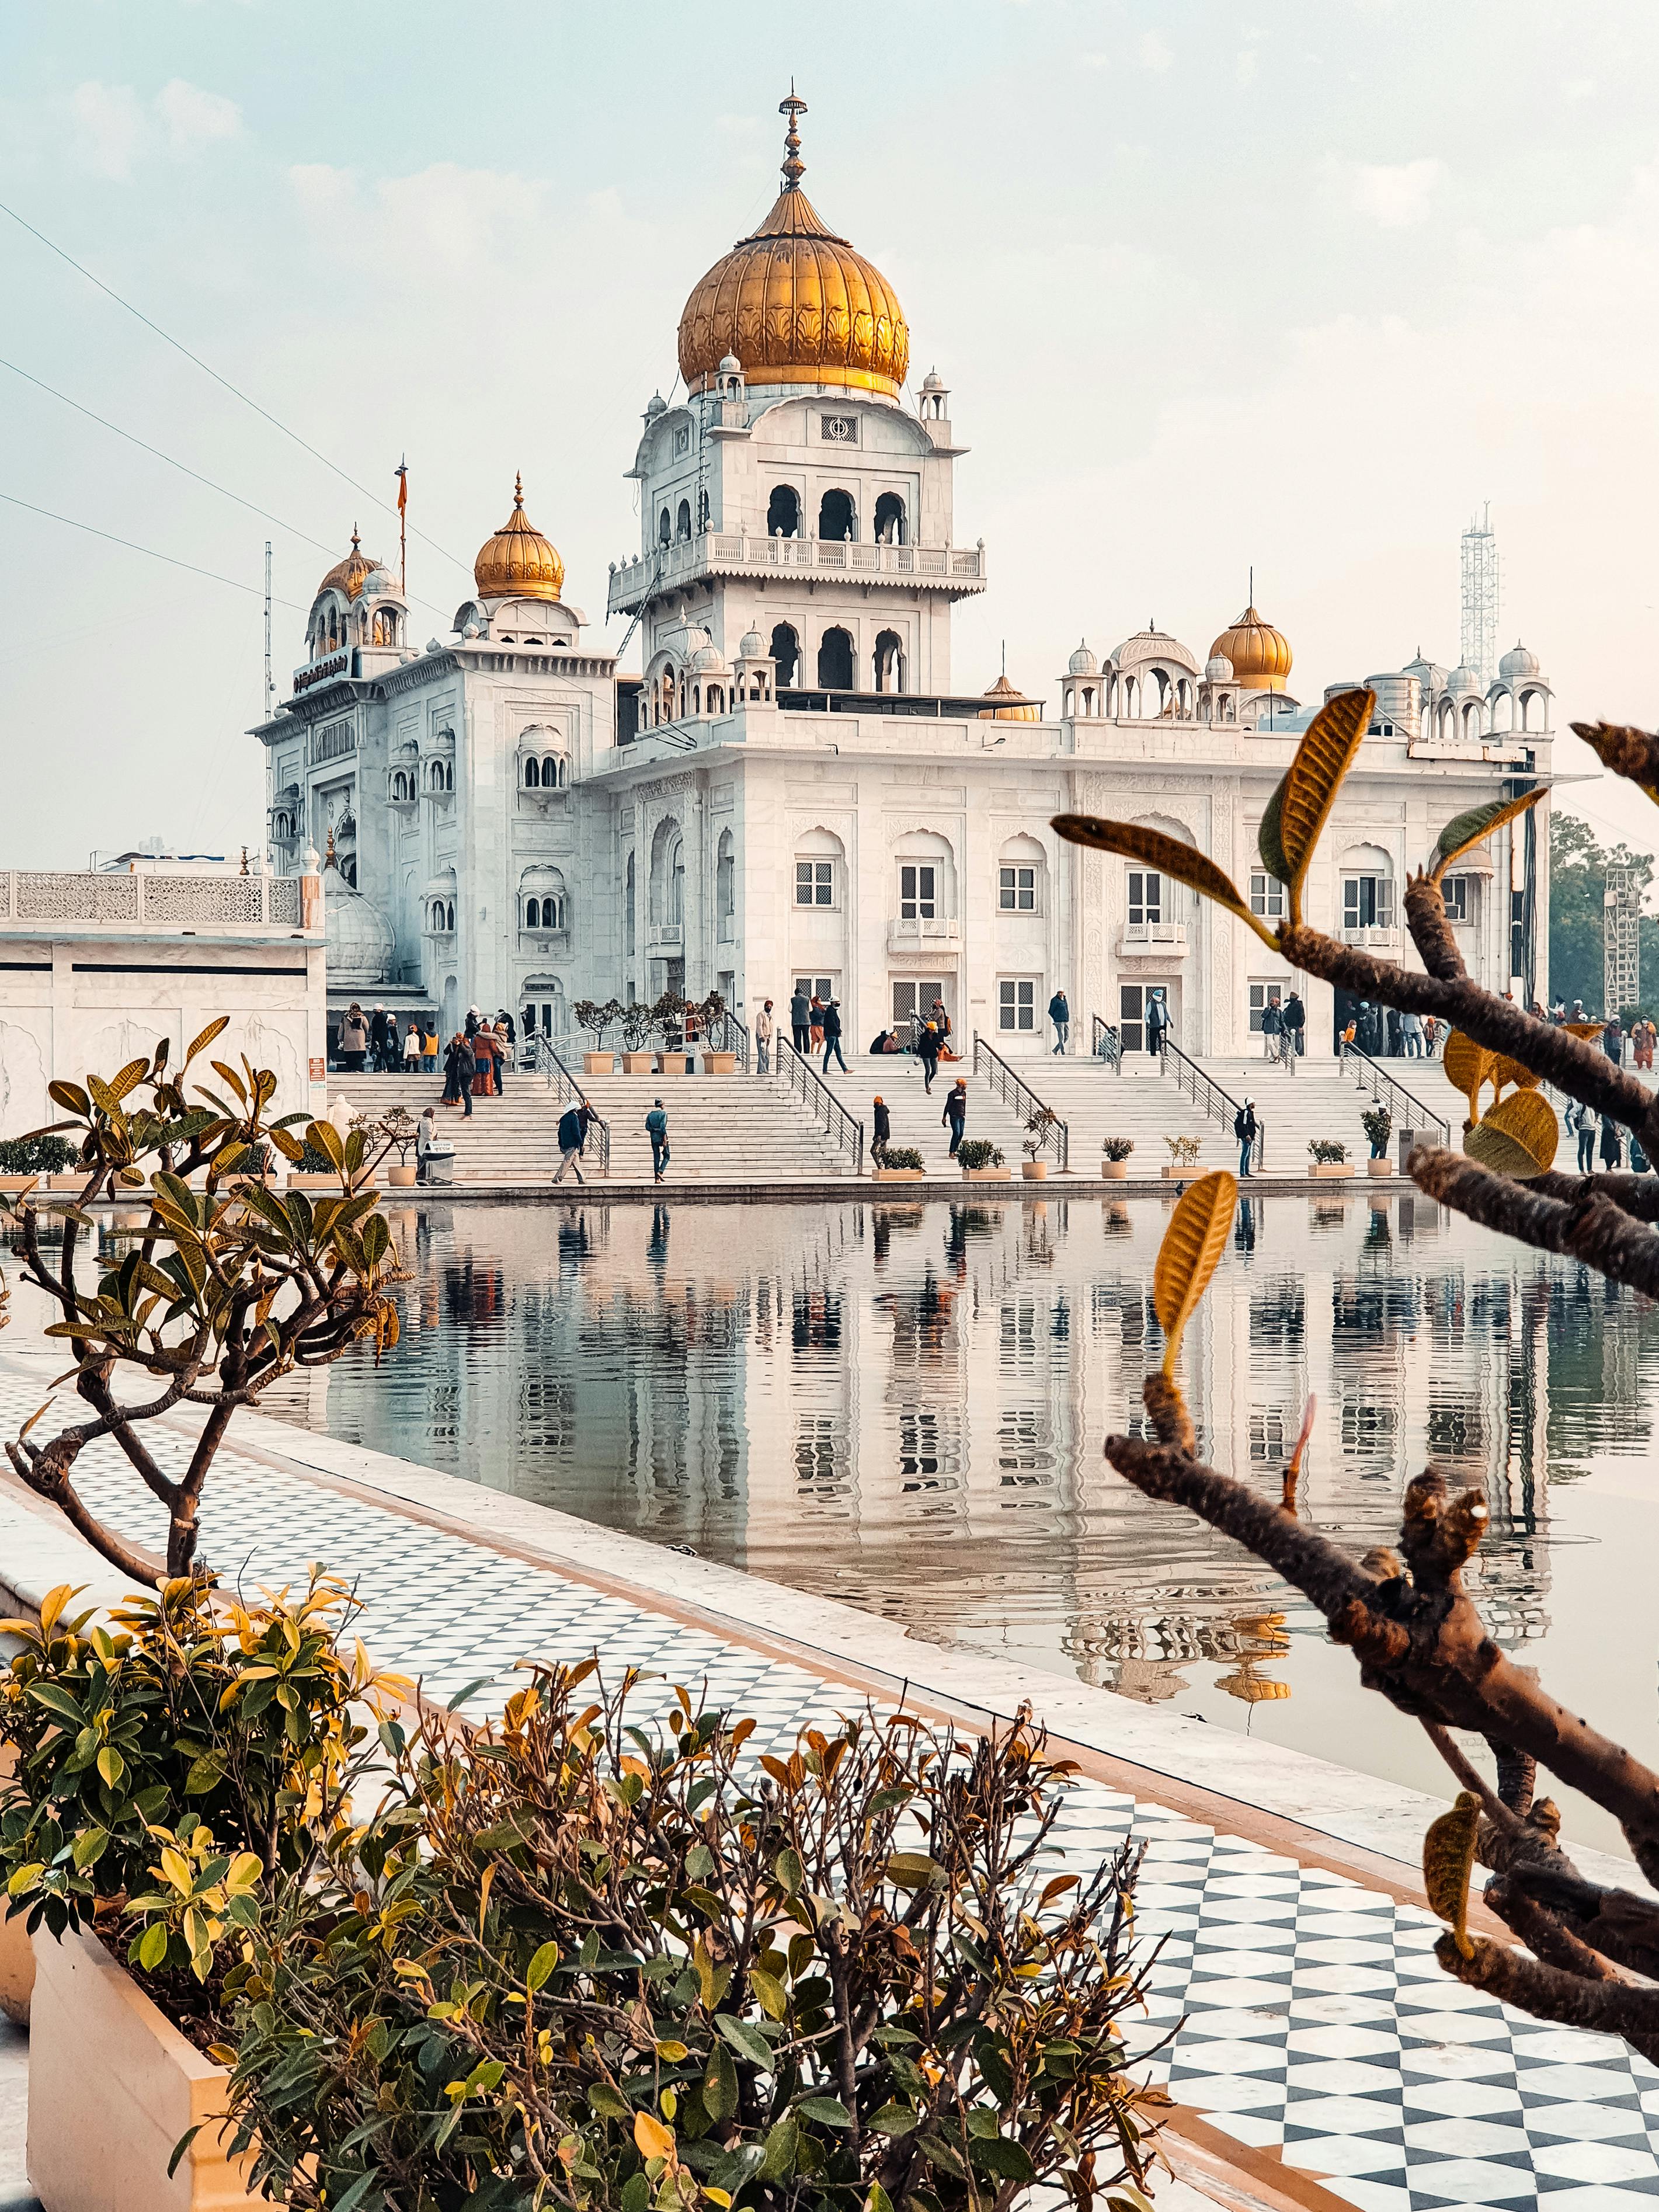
<point x="573" y="1136"/>
<point x="800" y="1021"/>
<point x="656" y="1127"/>
<point x="955" y="1116"/>
<point x="881" y="1123"/>
<point x="1294" y="1018"/>
<point x="1244" y="1128"/>
<point x="830" y="1015"/>
<point x="1060" y="1013"/>
<point x="928" y="1051"/>
<point x="459" y="1068"/>
<point x="377" y="1041"/>
<point x="1157" y="1023"/>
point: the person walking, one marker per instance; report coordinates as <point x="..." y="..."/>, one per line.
<point x="377" y="1040"/>
<point x="1396" y="1033"/>
<point x="1060" y="1013"/>
<point x="1294" y="1018"/>
<point x="354" y="1039"/>
<point x="1612" y="1148"/>
<point x="1273" y="1027"/>
<point x="483" y="1061"/>
<point x="503" y="1041"/>
<point x="656" y="1127"/>
<point x="1411" y="1035"/>
<point x="955" y="1116"/>
<point x="413" y="1047"/>
<point x="471" y="1023"/>
<point x="800" y="1021"/>
<point x="941" y="1022"/>
<point x="573" y="1136"/>
<point x="832" y="1036"/>
<point x="459" y="1068"/>
<point x="1157" y="1023"/>
<point x="927" y="1045"/>
<point x="881" y="1123"/>
<point x="1613" y="1041"/>
<point x="764" y="1026"/>
<point x="1244" y="1128"/>
<point x="815" y="1023"/>
<point x="1581" y="1122"/>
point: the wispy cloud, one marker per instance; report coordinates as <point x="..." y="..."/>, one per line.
<point x="109" y="127"/>
<point x="113" y="128"/>
<point x="1155" y="53"/>
<point x="1396" y="197"/>
<point x="194" y="118"/>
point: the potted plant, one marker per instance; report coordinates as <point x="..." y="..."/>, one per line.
<point x="717" y="1059"/>
<point x="668" y="1020"/>
<point x="24" y="1160"/>
<point x="900" y="1164"/>
<point x="1329" y="1158"/>
<point x="981" y="1161"/>
<point x="1183" y="1158"/>
<point x="1039" y="1125"/>
<point x="638" y="1022"/>
<point x="599" y="1019"/>
<point x="1378" y="1125"/>
<point x="398" y="1127"/>
<point x="1115" y="1158"/>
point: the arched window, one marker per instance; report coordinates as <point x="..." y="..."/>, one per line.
<point x="628" y="905"/>
<point x="554" y="776"/>
<point x="926" y="878"/>
<point x="890" y="519"/>
<point x="783" y="512"/>
<point x="1020" y="871"/>
<point x="889" y="661"/>
<point x="532" y="913"/>
<point x="542" y="897"/>
<point x="726" y="887"/>
<point x="532" y="774"/>
<point x="1367" y="880"/>
<point x="682" y="520"/>
<point x="785" y="652"/>
<point x="837" y="517"/>
<point x="1534" y="711"/>
<point x="836" y="660"/>
<point x="668" y="875"/>
<point x="665" y="528"/>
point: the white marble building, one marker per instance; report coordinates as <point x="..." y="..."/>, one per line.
<point x="797" y="787"/>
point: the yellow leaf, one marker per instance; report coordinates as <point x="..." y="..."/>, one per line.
<point x="1299" y="809"/>
<point x="175" y="1868"/>
<point x="1467" y="830"/>
<point x="1518" y="1138"/>
<point x="671" y="2053"/>
<point x="1168" y="854"/>
<point x="1448" y="1863"/>
<point x="1187" y="1258"/>
<point x="651" y="2138"/>
<point x="200" y="1044"/>
<point x="771" y="1991"/>
<point x="325" y="1137"/>
<point x="1469" y="1067"/>
<point x="246" y="1872"/>
<point x="55" y="1600"/>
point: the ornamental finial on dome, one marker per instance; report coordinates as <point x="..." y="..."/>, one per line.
<point x="794" y="168"/>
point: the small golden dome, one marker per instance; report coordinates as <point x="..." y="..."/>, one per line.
<point x="349" y="575"/>
<point x="794" y="303"/>
<point x="518" y="562"/>
<point x="1004" y="704"/>
<point x="1260" y="653"/>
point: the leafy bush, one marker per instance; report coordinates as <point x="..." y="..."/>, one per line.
<point x="1378" y="1124"/>
<point x="1041" y="1121"/>
<point x="903" y="1155"/>
<point x="37" y="1156"/>
<point x="1327" y="1151"/>
<point x="978" y="1153"/>
<point x="638" y="1022"/>
<point x="1116" y="1148"/>
<point x="1183" y="1150"/>
<point x="574" y="1960"/>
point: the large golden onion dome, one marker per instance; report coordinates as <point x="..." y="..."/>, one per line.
<point x="518" y="562"/>
<point x="349" y="575"/>
<point x="795" y="303"/>
<point x="1260" y="653"/>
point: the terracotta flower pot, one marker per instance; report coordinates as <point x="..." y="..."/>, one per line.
<point x="1331" y="1171"/>
<point x="1116" y="1170"/>
<point x="639" y="1063"/>
<point x="402" y="1178"/>
<point x="1383" y="1167"/>
<point x="598" y="1063"/>
<point x="18" y="1182"/>
<point x="898" y="1174"/>
<point x="719" y="1063"/>
<point x="671" y="1063"/>
<point x="1033" y="1170"/>
<point x="1181" y="1175"/>
<point x="90" y="2022"/>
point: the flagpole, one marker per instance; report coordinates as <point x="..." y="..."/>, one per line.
<point x="403" y="527"/>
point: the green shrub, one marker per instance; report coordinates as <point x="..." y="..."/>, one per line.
<point x="978" y="1153"/>
<point x="37" y="1156"/>
<point x="903" y="1155"/>
<point x="1327" y="1151"/>
<point x="574" y="1960"/>
<point x="1378" y="1124"/>
<point x="1116" y="1148"/>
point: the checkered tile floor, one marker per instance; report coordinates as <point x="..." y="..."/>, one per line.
<point x="1317" y="2024"/>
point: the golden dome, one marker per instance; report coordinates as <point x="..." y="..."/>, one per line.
<point x="349" y="575"/>
<point x="518" y="562"/>
<point x="795" y="303"/>
<point x="1260" y="653"/>
<point x="1004" y="704"/>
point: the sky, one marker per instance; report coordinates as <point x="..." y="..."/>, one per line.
<point x="1300" y="286"/>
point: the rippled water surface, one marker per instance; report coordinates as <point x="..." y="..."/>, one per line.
<point x="903" y="1406"/>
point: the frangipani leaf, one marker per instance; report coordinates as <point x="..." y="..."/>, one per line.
<point x="1296" y="813"/>
<point x="326" y="1140"/>
<point x="1193" y="1244"/>
<point x="1448" y="1863"/>
<point x="1167" y="854"/>
<point x="1468" y="1068"/>
<point x="1518" y="1138"/>
<point x="1467" y="830"/>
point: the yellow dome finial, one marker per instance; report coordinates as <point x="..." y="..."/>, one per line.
<point x="518" y="488"/>
<point x="794" y="168"/>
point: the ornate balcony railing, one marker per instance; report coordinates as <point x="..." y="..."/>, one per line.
<point x="956" y="569"/>
<point x="114" y="901"/>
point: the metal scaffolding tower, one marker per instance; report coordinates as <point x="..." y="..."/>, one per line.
<point x="1479" y="639"/>
<point x="1622" y="942"/>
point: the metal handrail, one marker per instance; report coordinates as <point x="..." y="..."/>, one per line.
<point x="1207" y="1095"/>
<point x="1387" y="1091"/>
<point x="1106" y="1044"/>
<point x="568" y="1091"/>
<point x="734" y="1037"/>
<point x="821" y="1102"/>
<point x="1037" y="1116"/>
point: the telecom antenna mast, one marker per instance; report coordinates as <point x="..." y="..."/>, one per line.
<point x="1481" y="586"/>
<point x="1621" y="943"/>
<point x="271" y="696"/>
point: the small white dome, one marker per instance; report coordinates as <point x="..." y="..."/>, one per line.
<point x="752" y="646"/>
<point x="707" y="659"/>
<point x="655" y="406"/>
<point x="1083" y="662"/>
<point x="1518" y="662"/>
<point x="1217" y="669"/>
<point x="357" y="939"/>
<point x="1463" y="682"/>
<point x="380" y="584"/>
<point x="1429" y="673"/>
<point x="730" y="366"/>
<point x="932" y="381"/>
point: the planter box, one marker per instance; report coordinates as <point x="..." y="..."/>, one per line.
<point x="719" y="1063"/>
<point x="639" y="1063"/>
<point x="67" y="1181"/>
<point x="91" y="2023"/>
<point x="598" y="1063"/>
<point x="328" y="1182"/>
<point x="1383" y="1167"/>
<point x="988" y="1175"/>
<point x="1116" y="1170"/>
<point x="1033" y="1170"/>
<point x="671" y="1063"/>
<point x="18" y="1182"/>
<point x="1182" y="1175"/>
<point x="402" y="1178"/>
<point x="1331" y="1171"/>
<point x="898" y="1174"/>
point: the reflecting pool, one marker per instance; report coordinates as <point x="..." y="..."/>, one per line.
<point x="904" y="1406"/>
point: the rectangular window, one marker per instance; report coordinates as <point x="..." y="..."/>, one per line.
<point x="1146" y="898"/>
<point x="917" y="900"/>
<point x="1458" y="891"/>
<point x="1016" y="1004"/>
<point x="1017" y="889"/>
<point x="815" y="883"/>
<point x="1262" y="995"/>
<point x="1367" y="903"/>
<point x="1267" y="895"/>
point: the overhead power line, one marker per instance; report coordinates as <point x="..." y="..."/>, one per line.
<point x="235" y="391"/>
<point x="132" y="546"/>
